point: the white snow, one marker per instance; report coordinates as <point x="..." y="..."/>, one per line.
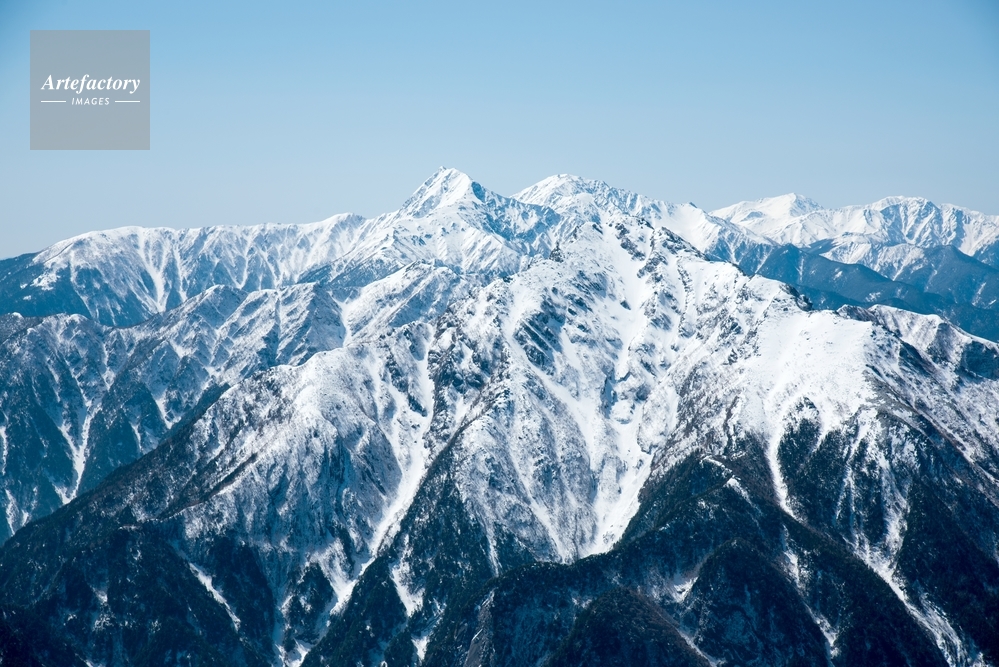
<point x="885" y="236"/>
<point x="411" y="600"/>
<point x="206" y="581"/>
<point x="4" y="449"/>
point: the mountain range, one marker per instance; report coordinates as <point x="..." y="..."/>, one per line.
<point x="572" y="426"/>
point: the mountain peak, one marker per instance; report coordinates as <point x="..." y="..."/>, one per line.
<point x="791" y="205"/>
<point x="561" y="186"/>
<point x="446" y="187"/>
<point x="903" y="202"/>
<point x="796" y="204"/>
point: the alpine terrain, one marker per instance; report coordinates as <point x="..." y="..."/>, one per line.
<point x="576" y="426"/>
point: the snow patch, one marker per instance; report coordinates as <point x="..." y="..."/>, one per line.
<point x="411" y="600"/>
<point x="45" y="282"/>
<point x="206" y="581"/>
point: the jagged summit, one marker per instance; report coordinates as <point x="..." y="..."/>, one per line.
<point x="564" y="185"/>
<point x="447" y="187"/>
<point x="576" y="198"/>
<point x="588" y="197"/>
<point x="126" y="275"/>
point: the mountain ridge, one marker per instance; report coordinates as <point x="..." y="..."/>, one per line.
<point x="913" y="220"/>
<point x="489" y="448"/>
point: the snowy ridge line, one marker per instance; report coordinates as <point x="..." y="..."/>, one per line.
<point x="893" y="220"/>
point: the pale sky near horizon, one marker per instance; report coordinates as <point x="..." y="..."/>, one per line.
<point x="272" y="112"/>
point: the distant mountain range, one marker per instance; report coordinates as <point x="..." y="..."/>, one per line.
<point x="573" y="426"/>
<point x="942" y="260"/>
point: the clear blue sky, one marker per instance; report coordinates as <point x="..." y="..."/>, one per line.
<point x="265" y="112"/>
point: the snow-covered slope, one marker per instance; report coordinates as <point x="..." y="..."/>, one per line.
<point x="891" y="221"/>
<point x="588" y="200"/>
<point x="939" y="281"/>
<point x="943" y="250"/>
<point x="123" y="276"/>
<point x="83" y="398"/>
<point x="80" y="399"/>
<point x="519" y="431"/>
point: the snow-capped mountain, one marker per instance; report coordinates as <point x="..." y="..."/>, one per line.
<point x="122" y="277"/>
<point x="942" y="250"/>
<point x="83" y="397"/>
<point x="540" y="430"/>
<point x="913" y="221"/>
<point x="939" y="280"/>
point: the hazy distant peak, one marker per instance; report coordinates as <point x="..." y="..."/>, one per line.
<point x="893" y="220"/>
<point x="796" y="204"/>
<point x="791" y="205"/>
<point x="561" y="185"/>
